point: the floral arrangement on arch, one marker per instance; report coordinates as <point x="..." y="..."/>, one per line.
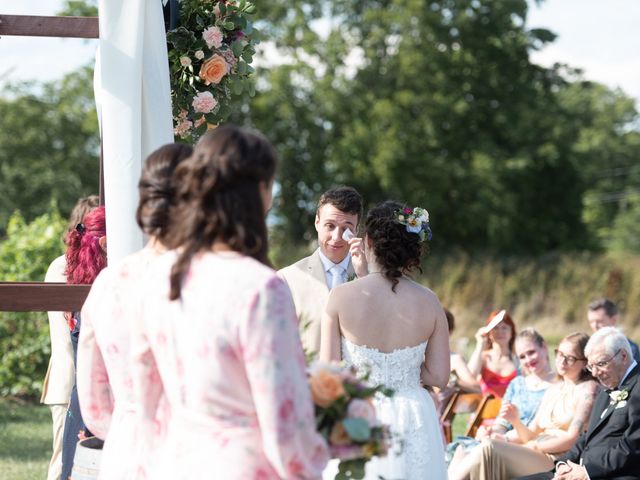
<point x="210" y="53"/>
<point x="346" y="417"/>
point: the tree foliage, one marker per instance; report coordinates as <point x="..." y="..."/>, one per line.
<point x="25" y="255"/>
<point x="438" y="104"/>
<point x="49" y="145"/>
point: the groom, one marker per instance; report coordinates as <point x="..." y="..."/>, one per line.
<point x="311" y="278"/>
<point x="610" y="448"/>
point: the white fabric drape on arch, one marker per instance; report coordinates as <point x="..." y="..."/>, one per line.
<point x="133" y="95"/>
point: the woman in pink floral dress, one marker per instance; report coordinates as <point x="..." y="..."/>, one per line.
<point x="104" y="375"/>
<point x="218" y="336"/>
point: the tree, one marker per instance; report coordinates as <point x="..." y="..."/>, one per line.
<point x="442" y="108"/>
<point x="25" y="255"/>
<point x="79" y="8"/>
<point x="49" y="145"/>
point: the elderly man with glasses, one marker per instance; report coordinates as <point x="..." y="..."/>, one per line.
<point x="610" y="448"/>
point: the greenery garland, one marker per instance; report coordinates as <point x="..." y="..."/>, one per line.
<point x="210" y="53"/>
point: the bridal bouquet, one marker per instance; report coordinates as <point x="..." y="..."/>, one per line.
<point x="345" y="416"/>
<point x="210" y="53"/>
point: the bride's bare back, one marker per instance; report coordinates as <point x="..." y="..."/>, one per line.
<point x="367" y="312"/>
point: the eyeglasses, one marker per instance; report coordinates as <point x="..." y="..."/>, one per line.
<point x="570" y="359"/>
<point x="601" y="364"/>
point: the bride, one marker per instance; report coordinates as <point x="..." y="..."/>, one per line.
<point x="397" y="328"/>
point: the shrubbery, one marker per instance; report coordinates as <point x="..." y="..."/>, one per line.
<point x="25" y="254"/>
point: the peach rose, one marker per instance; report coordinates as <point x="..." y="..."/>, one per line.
<point x="339" y="435"/>
<point x="213" y="69"/>
<point x="326" y="388"/>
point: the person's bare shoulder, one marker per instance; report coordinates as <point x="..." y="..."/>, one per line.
<point x="590" y="387"/>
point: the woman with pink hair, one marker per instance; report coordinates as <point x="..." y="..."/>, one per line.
<point x="86" y="256"/>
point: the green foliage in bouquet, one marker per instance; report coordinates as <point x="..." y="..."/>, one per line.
<point x="210" y="55"/>
<point x="346" y="418"/>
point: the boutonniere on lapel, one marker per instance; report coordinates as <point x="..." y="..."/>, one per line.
<point x="618" y="398"/>
<point x="351" y="277"/>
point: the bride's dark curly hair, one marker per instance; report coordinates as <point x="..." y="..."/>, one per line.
<point x="218" y="198"/>
<point x="396" y="250"/>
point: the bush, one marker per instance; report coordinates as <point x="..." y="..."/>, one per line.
<point x="25" y="255"/>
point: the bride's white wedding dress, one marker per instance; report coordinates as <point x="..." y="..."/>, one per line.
<point x="417" y="451"/>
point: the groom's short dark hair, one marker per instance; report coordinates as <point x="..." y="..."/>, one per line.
<point x="346" y="199"/>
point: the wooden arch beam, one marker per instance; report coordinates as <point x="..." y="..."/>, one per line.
<point x="62" y="27"/>
<point x="41" y="296"/>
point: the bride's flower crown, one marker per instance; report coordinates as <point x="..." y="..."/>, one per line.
<point x="416" y="221"/>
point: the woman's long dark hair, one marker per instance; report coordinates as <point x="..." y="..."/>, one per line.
<point x="218" y="198"/>
<point x="156" y="188"/>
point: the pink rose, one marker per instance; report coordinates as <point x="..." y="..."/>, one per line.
<point x="204" y="102"/>
<point x="199" y="54"/>
<point x="359" y="408"/>
<point x="213" y="37"/>
<point x="185" y="61"/>
<point x="230" y="58"/>
<point x="182" y="129"/>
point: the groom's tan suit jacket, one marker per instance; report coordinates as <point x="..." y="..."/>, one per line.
<point x="308" y="284"/>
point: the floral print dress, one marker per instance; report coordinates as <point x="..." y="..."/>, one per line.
<point x="105" y="387"/>
<point x="227" y="358"/>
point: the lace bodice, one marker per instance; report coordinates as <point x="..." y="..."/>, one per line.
<point x="398" y="370"/>
<point x="416" y="451"/>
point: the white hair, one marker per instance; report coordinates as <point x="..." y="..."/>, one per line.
<point x="611" y="338"/>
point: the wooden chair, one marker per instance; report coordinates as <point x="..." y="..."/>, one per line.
<point x="487" y="409"/>
<point x="459" y="403"/>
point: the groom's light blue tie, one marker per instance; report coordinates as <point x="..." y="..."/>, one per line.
<point x="336" y="276"/>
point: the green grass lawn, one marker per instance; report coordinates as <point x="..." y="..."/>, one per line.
<point x="25" y="440"/>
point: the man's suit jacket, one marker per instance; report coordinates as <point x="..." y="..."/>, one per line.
<point x="60" y="377"/>
<point x="308" y="284"/>
<point x="610" y="448"/>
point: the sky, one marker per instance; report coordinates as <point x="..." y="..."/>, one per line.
<point x="598" y="36"/>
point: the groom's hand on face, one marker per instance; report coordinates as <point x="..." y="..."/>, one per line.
<point x="357" y="257"/>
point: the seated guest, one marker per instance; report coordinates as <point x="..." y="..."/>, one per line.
<point x="520" y="402"/>
<point x="604" y="313"/>
<point x="460" y="377"/>
<point x="561" y="417"/>
<point x="493" y="361"/>
<point x="610" y="448"/>
<point x="524" y="393"/>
